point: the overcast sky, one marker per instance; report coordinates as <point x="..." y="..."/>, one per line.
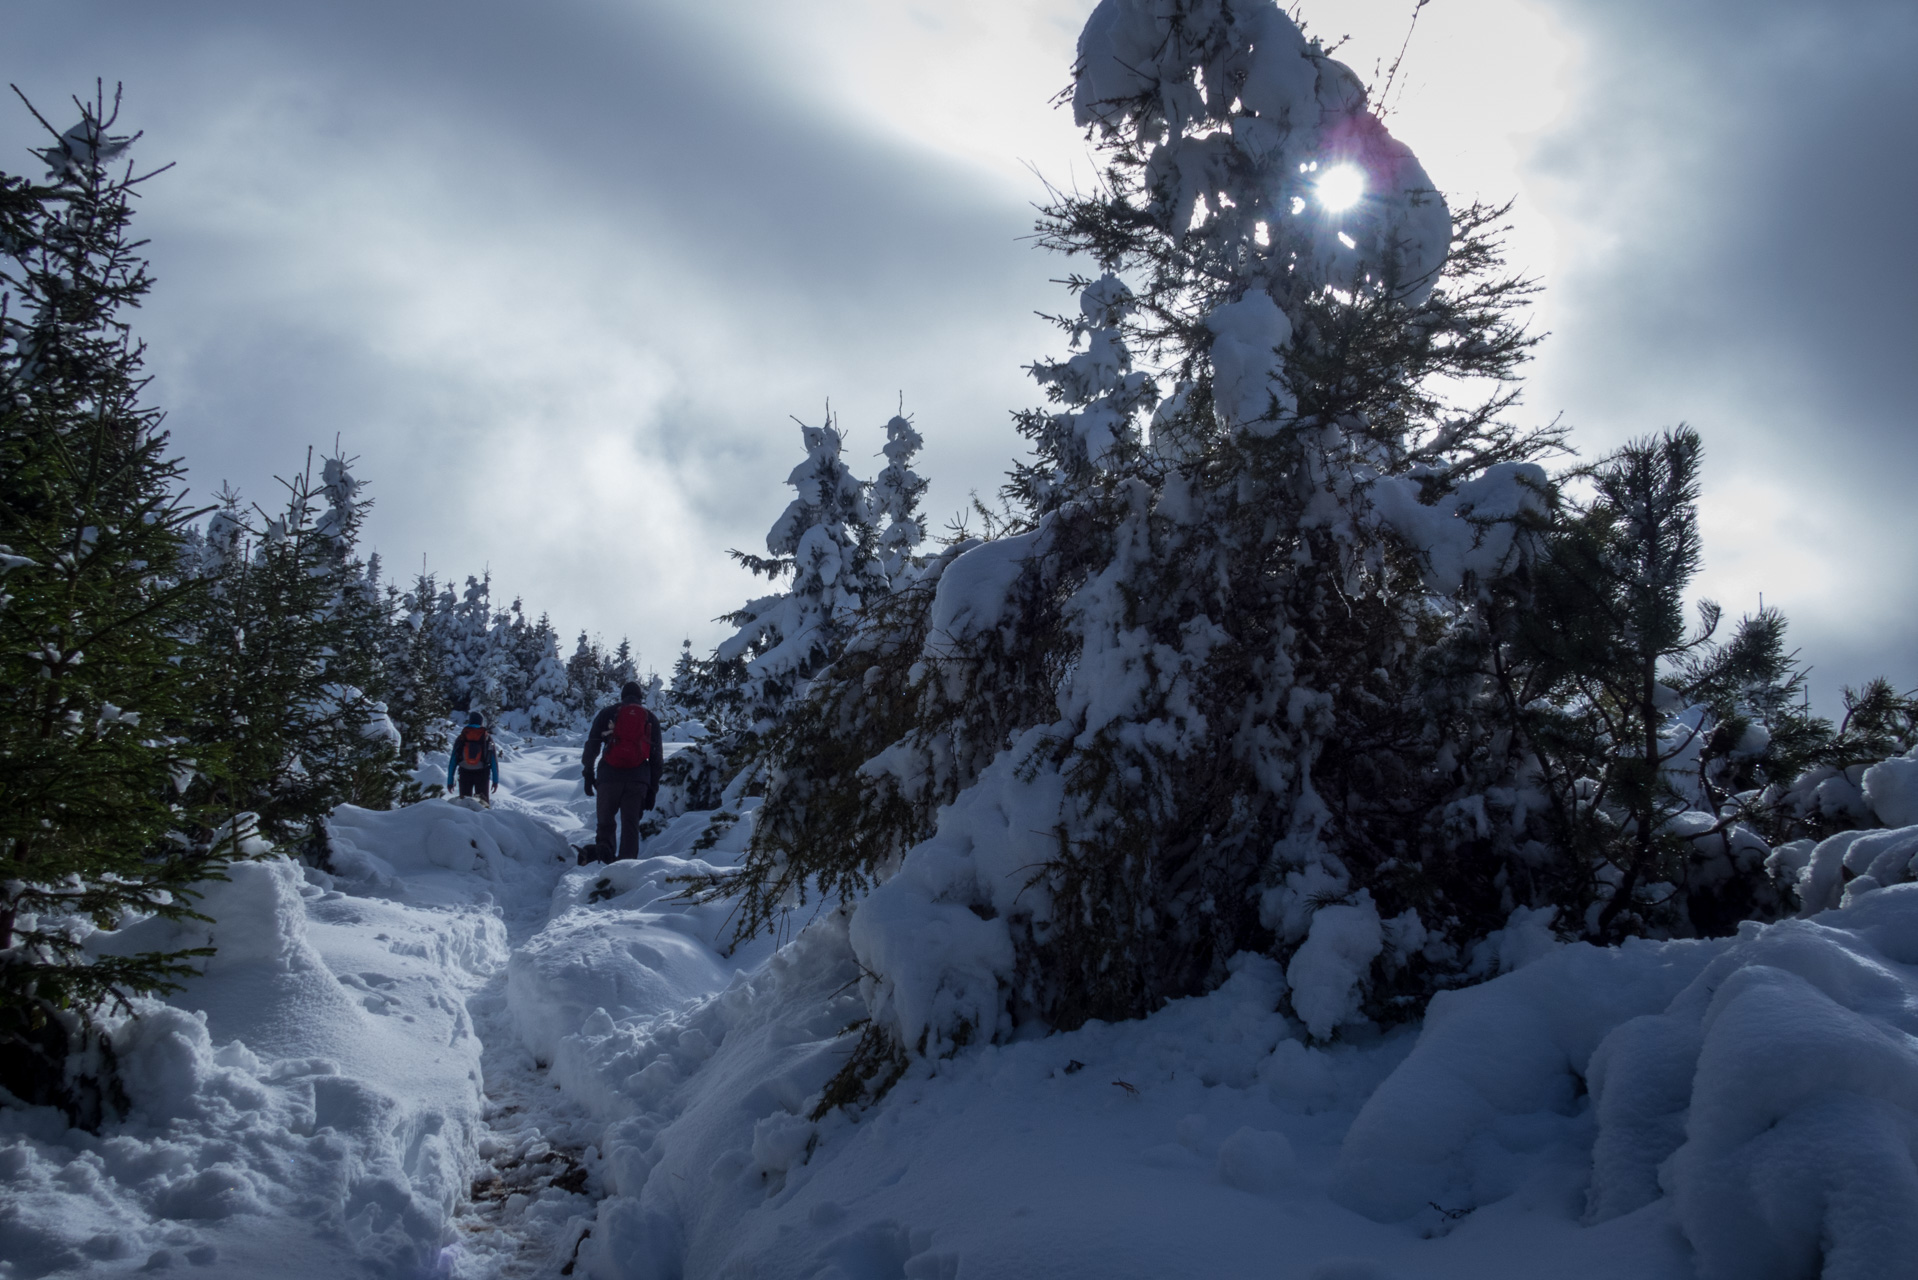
<point x="560" y="273"/>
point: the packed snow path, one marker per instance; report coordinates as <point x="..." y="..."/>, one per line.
<point x="457" y="1054"/>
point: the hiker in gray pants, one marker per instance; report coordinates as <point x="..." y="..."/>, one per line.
<point x="626" y="780"/>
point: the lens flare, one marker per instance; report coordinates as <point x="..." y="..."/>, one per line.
<point x="1340" y="187"/>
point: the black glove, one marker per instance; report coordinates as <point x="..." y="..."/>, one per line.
<point x="586" y="780"/>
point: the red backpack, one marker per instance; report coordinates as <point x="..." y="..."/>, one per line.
<point x="472" y="747"/>
<point x="632" y="744"/>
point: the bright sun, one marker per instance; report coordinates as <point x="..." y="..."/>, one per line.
<point x="1340" y="187"/>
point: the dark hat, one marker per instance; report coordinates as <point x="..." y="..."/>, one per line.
<point x="631" y="692"/>
<point x="474" y="717"/>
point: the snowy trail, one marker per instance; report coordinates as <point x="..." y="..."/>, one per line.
<point x="536" y="1180"/>
<point x="526" y="1204"/>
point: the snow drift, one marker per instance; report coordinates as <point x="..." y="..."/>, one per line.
<point x="312" y="1100"/>
<point x="1767" y="1084"/>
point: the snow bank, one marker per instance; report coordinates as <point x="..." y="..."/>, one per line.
<point x="309" y="1104"/>
<point x="709" y="1104"/>
<point x="1193" y="1142"/>
<point x="1767" y="1085"/>
<point x="1496" y="1065"/>
<point x="226" y="1159"/>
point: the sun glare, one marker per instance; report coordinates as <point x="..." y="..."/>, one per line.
<point x="1340" y="187"/>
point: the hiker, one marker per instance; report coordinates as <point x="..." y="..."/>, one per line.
<point x="474" y="760"/>
<point x="627" y="777"/>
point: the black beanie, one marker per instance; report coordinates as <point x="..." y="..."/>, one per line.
<point x="631" y="692"/>
<point x="474" y="717"/>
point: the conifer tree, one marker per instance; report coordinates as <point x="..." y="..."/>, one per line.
<point x="415" y="673"/>
<point x="277" y="681"/>
<point x="470" y="619"/>
<point x="682" y="689"/>
<point x="896" y="492"/>
<point x="499" y="682"/>
<point x="547" y="709"/>
<point x="1651" y="740"/>
<point x="824" y="541"/>
<point x="586" y="677"/>
<point x="1256" y="504"/>
<point x="92" y="827"/>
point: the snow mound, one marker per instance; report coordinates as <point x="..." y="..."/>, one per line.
<point x="1891" y="789"/>
<point x="1843" y="868"/>
<point x="1494" y="1065"/>
<point x="1185" y="1144"/>
<point x="710" y="1102"/>
<point x="1326" y="970"/>
<point x="308" y="1102"/>
<point x="309" y="1105"/>
<point x="1766" y="1084"/>
<point x="437" y="850"/>
<point x="228" y="1160"/>
<point x="608" y="951"/>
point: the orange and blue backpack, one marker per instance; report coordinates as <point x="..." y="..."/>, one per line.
<point x="473" y="747"/>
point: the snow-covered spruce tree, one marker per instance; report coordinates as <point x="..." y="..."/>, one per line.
<point x="506" y="667"/>
<point x="624" y="666"/>
<point x="824" y="541"/>
<point x="586" y="677"/>
<point x="754" y="679"/>
<point x="702" y="701"/>
<point x="547" y="709"/>
<point x="469" y="623"/>
<point x="1183" y="708"/>
<point x="91" y="826"/>
<point x="895" y="496"/>
<point x="360" y="741"/>
<point x="415" y="669"/>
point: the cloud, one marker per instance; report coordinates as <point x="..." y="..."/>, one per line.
<point x="559" y="273"/>
<point x="558" y="278"/>
<point x="1733" y="186"/>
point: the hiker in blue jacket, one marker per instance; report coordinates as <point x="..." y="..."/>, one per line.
<point x="627" y="775"/>
<point x="474" y="760"/>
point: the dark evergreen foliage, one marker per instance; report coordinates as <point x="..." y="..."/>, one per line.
<point x="415" y="678"/>
<point x="91" y="819"/>
<point x="288" y="652"/>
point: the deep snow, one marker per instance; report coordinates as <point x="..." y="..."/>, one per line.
<point x="457" y="1054"/>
